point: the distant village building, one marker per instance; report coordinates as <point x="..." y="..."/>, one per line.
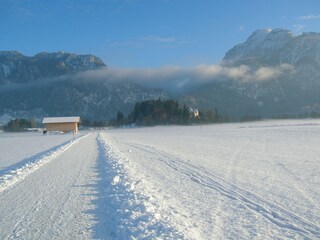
<point x="194" y="112"/>
<point x="63" y="124"/>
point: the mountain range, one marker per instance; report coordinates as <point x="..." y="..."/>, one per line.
<point x="272" y="73"/>
<point x="17" y="68"/>
<point x="51" y="84"/>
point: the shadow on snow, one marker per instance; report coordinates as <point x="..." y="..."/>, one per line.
<point x="119" y="212"/>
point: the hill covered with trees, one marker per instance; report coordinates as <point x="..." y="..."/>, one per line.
<point x="165" y="112"/>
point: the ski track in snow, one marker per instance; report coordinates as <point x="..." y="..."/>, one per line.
<point x="274" y="213"/>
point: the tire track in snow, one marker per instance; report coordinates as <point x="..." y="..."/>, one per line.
<point x="14" y="176"/>
<point x="231" y="177"/>
<point x="234" y="162"/>
<point x="276" y="214"/>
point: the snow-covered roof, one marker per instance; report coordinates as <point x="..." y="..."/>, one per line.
<point x="61" y="119"/>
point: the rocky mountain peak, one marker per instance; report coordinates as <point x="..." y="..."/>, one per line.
<point x="17" y="68"/>
<point x="258" y="36"/>
<point x="262" y="45"/>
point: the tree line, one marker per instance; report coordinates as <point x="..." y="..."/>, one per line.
<point x="19" y="124"/>
<point x="165" y="112"/>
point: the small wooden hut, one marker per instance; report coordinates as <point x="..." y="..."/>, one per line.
<point x="63" y="124"/>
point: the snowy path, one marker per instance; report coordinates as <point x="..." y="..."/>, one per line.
<point x="53" y="202"/>
<point x="78" y="191"/>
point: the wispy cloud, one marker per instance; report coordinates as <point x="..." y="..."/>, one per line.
<point x="159" y="39"/>
<point x="309" y="17"/>
<point x="144" y="41"/>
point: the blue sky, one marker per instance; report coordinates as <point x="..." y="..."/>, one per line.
<point x="147" y="33"/>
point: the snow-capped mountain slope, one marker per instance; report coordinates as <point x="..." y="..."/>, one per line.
<point x="274" y="47"/>
<point x="262" y="47"/>
<point x="285" y="77"/>
<point x="93" y="100"/>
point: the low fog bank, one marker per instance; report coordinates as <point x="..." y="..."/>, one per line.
<point x="179" y="80"/>
<point x="171" y="78"/>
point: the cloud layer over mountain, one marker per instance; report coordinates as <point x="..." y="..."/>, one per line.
<point x="178" y="79"/>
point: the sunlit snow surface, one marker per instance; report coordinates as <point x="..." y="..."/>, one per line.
<point x="16" y="148"/>
<point x="257" y="180"/>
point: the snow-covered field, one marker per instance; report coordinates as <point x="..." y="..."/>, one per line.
<point x="17" y="148"/>
<point x="256" y="180"/>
